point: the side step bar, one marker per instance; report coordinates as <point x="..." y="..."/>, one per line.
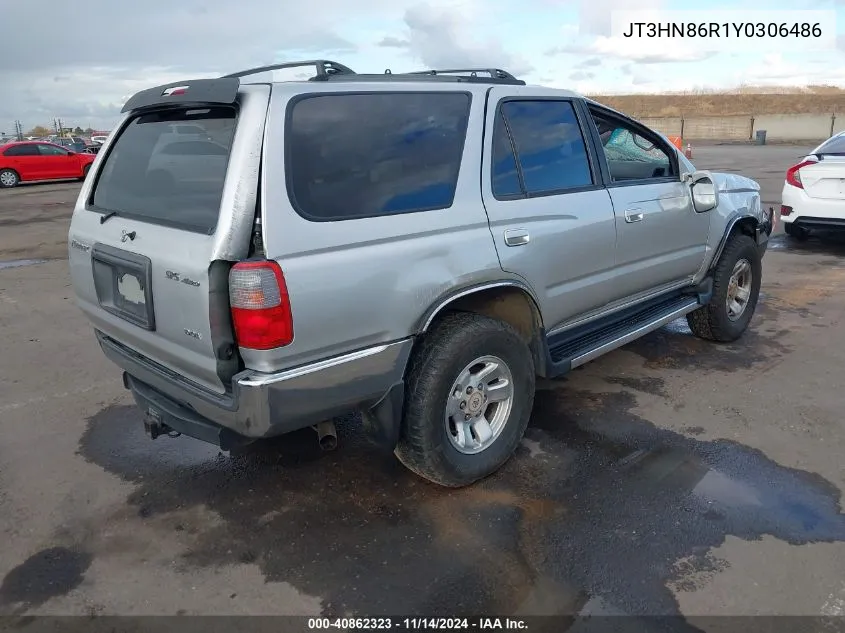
<point x="572" y="349"/>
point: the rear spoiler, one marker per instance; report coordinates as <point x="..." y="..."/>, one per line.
<point x="221" y="91"/>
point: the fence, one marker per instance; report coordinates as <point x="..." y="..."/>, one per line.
<point x="778" y="127"/>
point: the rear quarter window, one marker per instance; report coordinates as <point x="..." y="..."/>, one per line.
<point x="367" y="155"/>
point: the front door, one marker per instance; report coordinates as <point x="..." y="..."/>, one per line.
<point x="57" y="162"/>
<point x="661" y="239"/>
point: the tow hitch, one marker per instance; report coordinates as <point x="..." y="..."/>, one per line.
<point x="154" y="427"/>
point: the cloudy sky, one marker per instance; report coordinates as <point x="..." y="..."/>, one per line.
<point x="104" y="50"/>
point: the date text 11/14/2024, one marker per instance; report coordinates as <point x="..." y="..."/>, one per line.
<point x="416" y="624"/>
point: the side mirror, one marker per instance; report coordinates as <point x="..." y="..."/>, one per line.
<point x="705" y="194"/>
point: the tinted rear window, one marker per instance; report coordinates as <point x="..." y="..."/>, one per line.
<point x="154" y="174"/>
<point x="835" y="145"/>
<point x="364" y="155"/>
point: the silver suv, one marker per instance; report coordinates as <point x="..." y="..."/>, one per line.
<point x="417" y="247"/>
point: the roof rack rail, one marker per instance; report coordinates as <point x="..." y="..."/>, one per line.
<point x="495" y="73"/>
<point x="496" y="77"/>
<point x="325" y="68"/>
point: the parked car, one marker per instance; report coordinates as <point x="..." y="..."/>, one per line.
<point x="348" y="256"/>
<point x="813" y="196"/>
<point x="99" y="139"/>
<point x="28" y="161"/>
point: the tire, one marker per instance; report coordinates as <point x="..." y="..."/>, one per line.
<point x="429" y="441"/>
<point x="85" y="171"/>
<point x="9" y="178"/>
<point x="798" y="232"/>
<point x="714" y="321"/>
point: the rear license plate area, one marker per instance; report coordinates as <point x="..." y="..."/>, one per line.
<point x="122" y="282"/>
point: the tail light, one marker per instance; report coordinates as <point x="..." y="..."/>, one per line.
<point x="793" y="177"/>
<point x="785" y="210"/>
<point x="261" y="312"/>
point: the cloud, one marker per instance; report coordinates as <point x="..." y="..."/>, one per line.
<point x="389" y="41"/>
<point x="439" y="39"/>
<point x="616" y="47"/>
<point x="595" y="15"/>
<point x="589" y="63"/>
<point x="580" y="75"/>
<point x="137" y="47"/>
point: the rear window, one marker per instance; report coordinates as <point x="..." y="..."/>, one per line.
<point x="366" y="155"/>
<point x="153" y="173"/>
<point x="835" y="145"/>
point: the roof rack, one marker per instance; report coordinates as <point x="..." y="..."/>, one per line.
<point x="496" y="76"/>
<point x="324" y="67"/>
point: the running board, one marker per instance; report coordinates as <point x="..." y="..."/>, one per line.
<point x="590" y="342"/>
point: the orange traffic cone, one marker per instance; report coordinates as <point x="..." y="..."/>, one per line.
<point x="688" y="152"/>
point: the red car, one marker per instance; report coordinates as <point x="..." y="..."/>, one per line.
<point x="27" y="161"/>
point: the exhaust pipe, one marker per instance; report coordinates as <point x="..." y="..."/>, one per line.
<point x="326" y="435"/>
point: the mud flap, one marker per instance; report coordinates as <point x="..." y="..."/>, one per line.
<point x="383" y="421"/>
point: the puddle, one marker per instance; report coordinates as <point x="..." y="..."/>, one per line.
<point x="19" y="263"/>
<point x="596" y="508"/>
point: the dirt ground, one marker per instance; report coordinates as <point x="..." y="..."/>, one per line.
<point x="717" y="104"/>
<point x="672" y="476"/>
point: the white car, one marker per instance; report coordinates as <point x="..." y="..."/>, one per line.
<point x="99" y="139"/>
<point x="814" y="192"/>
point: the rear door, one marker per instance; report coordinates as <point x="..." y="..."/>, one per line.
<point x="25" y="160"/>
<point x="151" y="244"/>
<point x="551" y="217"/>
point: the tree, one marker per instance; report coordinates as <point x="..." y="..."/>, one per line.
<point x="77" y="131"/>
<point x="89" y="131"/>
<point x="38" y="130"/>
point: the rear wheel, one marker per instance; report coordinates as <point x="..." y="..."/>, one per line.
<point x="9" y="178"/>
<point x="470" y="394"/>
<point x="736" y="287"/>
<point x="798" y="232"/>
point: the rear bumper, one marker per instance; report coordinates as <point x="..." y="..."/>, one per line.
<point x="818" y="213"/>
<point x="261" y="405"/>
<point x="818" y="224"/>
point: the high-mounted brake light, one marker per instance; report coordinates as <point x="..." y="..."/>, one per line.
<point x="793" y="176"/>
<point x="175" y="90"/>
<point x="261" y="313"/>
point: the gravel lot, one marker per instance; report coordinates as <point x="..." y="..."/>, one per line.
<point x="670" y="477"/>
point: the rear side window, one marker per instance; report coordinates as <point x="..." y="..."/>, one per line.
<point x="155" y="174"/>
<point x="21" y="150"/>
<point x="365" y="155"/>
<point x="549" y="145"/>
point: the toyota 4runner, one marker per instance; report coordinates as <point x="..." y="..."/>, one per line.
<point x="417" y="247"/>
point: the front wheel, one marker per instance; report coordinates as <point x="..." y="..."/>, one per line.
<point x="9" y="178"/>
<point x="470" y="394"/>
<point x="736" y="288"/>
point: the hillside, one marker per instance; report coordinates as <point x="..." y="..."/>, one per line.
<point x="746" y="101"/>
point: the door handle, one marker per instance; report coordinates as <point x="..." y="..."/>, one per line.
<point x="516" y="237"/>
<point x="634" y="215"/>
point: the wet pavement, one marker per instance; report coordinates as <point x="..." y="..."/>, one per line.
<point x="672" y="477"/>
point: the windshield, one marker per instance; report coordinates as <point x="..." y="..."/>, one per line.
<point x="151" y="172"/>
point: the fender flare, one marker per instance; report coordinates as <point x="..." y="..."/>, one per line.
<point x="454" y="294"/>
<point x="728" y="231"/>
